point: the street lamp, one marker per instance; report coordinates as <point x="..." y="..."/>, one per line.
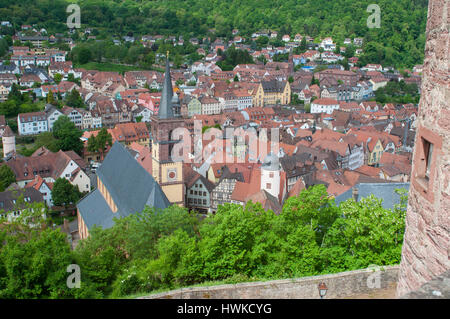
<point x="322" y="290"/>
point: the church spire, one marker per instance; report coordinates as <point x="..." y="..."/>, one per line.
<point x="165" y="107"/>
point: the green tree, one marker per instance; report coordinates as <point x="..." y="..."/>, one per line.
<point x="262" y="59"/>
<point x="15" y="94"/>
<point x="35" y="267"/>
<point x="64" y="193"/>
<point x="47" y="140"/>
<point x="314" y="208"/>
<point x="314" y="81"/>
<point x="367" y="234"/>
<point x="7" y="177"/>
<point x="57" y="78"/>
<point x="100" y="142"/>
<point x="50" y="98"/>
<point x="68" y="135"/>
<point x="84" y="55"/>
<point x="73" y="99"/>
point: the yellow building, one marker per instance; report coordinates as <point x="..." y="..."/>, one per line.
<point x="272" y="93"/>
<point x="375" y="149"/>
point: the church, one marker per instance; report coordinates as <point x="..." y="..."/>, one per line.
<point x="124" y="187"/>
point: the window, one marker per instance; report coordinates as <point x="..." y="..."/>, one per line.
<point x="428" y="150"/>
<point x="271" y="174"/>
<point x="268" y="185"/>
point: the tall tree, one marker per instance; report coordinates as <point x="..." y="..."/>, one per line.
<point x="50" y="98"/>
<point x="74" y="99"/>
<point x="7" y="177"/>
<point x="68" y="135"/>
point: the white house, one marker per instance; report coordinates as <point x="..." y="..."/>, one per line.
<point x="43" y="187"/>
<point x="52" y="115"/>
<point x="75" y="116"/>
<point x="327" y="44"/>
<point x="324" y="106"/>
<point x="210" y="105"/>
<point x="32" y="123"/>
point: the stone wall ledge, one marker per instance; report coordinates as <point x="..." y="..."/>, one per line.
<point x="340" y="285"/>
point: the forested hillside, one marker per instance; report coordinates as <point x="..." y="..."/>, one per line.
<point x="399" y="41"/>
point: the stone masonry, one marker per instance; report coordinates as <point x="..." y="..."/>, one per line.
<point x="426" y="247"/>
<point x="341" y="285"/>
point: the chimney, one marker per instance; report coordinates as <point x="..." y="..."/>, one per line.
<point x="355" y="193"/>
<point x="66" y="226"/>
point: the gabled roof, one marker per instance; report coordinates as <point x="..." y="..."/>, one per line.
<point x="131" y="188"/>
<point x="44" y="163"/>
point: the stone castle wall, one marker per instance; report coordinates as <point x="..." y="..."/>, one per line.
<point x="426" y="247"/>
<point x="340" y="285"/>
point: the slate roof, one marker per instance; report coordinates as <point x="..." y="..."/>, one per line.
<point x="273" y="86"/>
<point x="165" y="106"/>
<point x="384" y="191"/>
<point x="130" y="186"/>
<point x="7" y="198"/>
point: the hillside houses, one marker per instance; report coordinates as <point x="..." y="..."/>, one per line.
<point x="342" y="141"/>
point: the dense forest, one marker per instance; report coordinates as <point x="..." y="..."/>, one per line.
<point x="400" y="41"/>
<point x="161" y="250"/>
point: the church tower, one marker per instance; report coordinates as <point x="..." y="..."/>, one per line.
<point x="167" y="172"/>
<point x="9" y="142"/>
<point x="270" y="175"/>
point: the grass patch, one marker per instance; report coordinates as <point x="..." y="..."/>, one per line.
<point x="107" y="66"/>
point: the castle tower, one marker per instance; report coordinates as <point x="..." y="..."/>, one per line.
<point x="426" y="246"/>
<point x="168" y="173"/>
<point x="270" y="175"/>
<point x="9" y="142"/>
